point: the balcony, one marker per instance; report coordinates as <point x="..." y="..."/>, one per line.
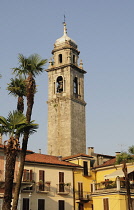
<point x="118" y="185"/>
<point x="63" y="188"/>
<point x="82" y="196"/>
<point x="43" y="187"/>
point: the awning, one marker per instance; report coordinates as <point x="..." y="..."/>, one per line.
<point x="118" y="173"/>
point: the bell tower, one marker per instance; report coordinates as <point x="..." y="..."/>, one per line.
<point x="66" y="105"/>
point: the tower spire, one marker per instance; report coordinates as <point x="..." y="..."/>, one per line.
<point x="64" y="23"/>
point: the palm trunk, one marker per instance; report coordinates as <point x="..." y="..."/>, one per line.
<point x="30" y="89"/>
<point x="124" y="168"/>
<point x="11" y="153"/>
<point x="20" y="104"/>
<point x="20" y="174"/>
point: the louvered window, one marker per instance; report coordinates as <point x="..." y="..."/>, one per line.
<point x="106" y="203"/>
<point x="80" y="190"/>
<point x="61" y="181"/>
<point x="41" y="180"/>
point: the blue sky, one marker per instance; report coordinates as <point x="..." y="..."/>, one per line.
<point x="104" y="32"/>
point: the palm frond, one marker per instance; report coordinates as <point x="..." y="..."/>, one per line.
<point x="32" y="65"/>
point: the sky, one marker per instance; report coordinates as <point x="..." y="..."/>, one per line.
<point x="104" y="33"/>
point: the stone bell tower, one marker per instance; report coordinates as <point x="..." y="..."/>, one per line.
<point x="66" y="105"/>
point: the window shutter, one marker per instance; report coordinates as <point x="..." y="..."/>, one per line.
<point x="61" y="181"/>
<point x="41" y="180"/>
<point x="61" y="177"/>
<point x="106" y="204"/>
<point x="31" y="175"/>
<point x="80" y="189"/>
<point x="85" y="168"/>
<point x="41" y="175"/>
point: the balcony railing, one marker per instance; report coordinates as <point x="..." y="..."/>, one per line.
<point x="105" y="185"/>
<point x="63" y="189"/>
<point x="82" y="195"/>
<point x="112" y="185"/>
<point x="43" y="187"/>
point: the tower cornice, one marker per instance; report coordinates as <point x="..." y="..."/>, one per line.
<point x="64" y="98"/>
<point x="67" y="45"/>
<point x="53" y="68"/>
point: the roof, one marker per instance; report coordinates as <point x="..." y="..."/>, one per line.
<point x="48" y="159"/>
<point x="112" y="156"/>
<point x="119" y="173"/>
<point x="64" y="38"/>
<point x="77" y="155"/>
<point x="107" y="163"/>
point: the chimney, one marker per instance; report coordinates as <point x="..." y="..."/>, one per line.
<point x="59" y="158"/>
<point x="90" y="151"/>
<point x="39" y="151"/>
<point x="117" y="153"/>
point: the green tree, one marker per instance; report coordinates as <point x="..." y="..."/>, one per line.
<point x="14" y="125"/>
<point x="124" y="158"/>
<point x="30" y="67"/>
<point x="17" y="88"/>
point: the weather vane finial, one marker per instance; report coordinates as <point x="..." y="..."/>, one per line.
<point x="64" y="19"/>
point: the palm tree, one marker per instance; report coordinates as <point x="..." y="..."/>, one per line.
<point x="30" y="67"/>
<point x="14" y="125"/>
<point x="17" y="88"/>
<point x="124" y="158"/>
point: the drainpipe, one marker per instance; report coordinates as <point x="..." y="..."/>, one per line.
<point x="74" y="188"/>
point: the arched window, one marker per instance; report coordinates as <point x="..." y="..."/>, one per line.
<point x="75" y="85"/>
<point x="60" y="58"/>
<point x="59" y="84"/>
<point x="73" y="58"/>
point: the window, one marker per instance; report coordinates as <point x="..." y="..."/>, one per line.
<point x="60" y="58"/>
<point x="80" y="190"/>
<point x="41" y="204"/>
<point x="73" y="58"/>
<point x="85" y="165"/>
<point x="81" y="206"/>
<point x="75" y="85"/>
<point x="61" y="181"/>
<point x="61" y="204"/>
<point x="54" y="87"/>
<point x="41" y="180"/>
<point x="27" y="175"/>
<point x="106" y="203"/>
<point x="59" y="84"/>
<point x="25" y="204"/>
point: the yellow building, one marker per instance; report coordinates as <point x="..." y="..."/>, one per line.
<point x="82" y="181"/>
<point x="109" y="189"/>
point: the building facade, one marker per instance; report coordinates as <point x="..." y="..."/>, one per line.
<point x="66" y="105"/>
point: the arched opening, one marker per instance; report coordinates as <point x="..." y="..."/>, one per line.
<point x="76" y="85"/>
<point x="59" y="84"/>
<point x="73" y="58"/>
<point x="60" y="58"/>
